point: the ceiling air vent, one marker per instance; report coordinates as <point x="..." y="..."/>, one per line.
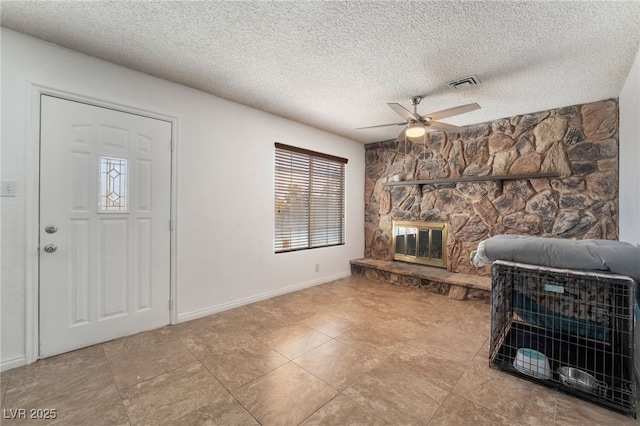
<point x="464" y="83"/>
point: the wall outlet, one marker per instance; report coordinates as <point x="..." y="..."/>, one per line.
<point x="317" y="267"/>
<point x="8" y="188"/>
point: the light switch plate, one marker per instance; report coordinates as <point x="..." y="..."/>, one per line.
<point x="8" y="188"/>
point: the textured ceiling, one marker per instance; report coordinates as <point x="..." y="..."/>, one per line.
<point x="335" y="65"/>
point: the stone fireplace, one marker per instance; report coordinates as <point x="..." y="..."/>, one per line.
<point x="578" y="143"/>
<point x="420" y="242"/>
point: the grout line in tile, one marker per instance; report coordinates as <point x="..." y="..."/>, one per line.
<point x="244" y="384"/>
<point x="113" y="379"/>
<point x="158" y="375"/>
<point x="321" y="407"/>
<point x="126" y="412"/>
<point x="439" y="408"/>
<point x="4" y="392"/>
<point x="244" y="408"/>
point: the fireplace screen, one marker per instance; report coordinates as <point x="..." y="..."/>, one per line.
<point x="420" y="242"/>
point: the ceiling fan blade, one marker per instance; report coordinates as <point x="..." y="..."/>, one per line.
<point x="436" y="125"/>
<point x="382" y="125"/>
<point x="450" y="112"/>
<point x="404" y="113"/>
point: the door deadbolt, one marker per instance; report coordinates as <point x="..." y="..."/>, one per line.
<point x="50" y="248"/>
<point x="51" y="229"/>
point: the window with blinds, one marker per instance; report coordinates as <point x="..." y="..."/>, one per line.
<point x="309" y="199"/>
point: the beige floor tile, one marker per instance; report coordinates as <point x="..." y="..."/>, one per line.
<point x="483" y="353"/>
<point x="573" y="411"/>
<point x="63" y="368"/>
<point x="343" y="411"/>
<point x="4" y="382"/>
<point x="443" y="369"/>
<point x="330" y="324"/>
<point x="452" y="341"/>
<point x="224" y="411"/>
<point x="400" y="355"/>
<point x="467" y="321"/>
<point x="170" y="396"/>
<point x="355" y="314"/>
<point x="293" y="341"/>
<point x="51" y="382"/>
<point x="244" y="363"/>
<point x="517" y="399"/>
<point x="469" y="316"/>
<point x="285" y="396"/>
<point x="255" y="321"/>
<point x="148" y="362"/>
<point x="374" y="341"/>
<point x="130" y="343"/>
<point x="404" y="328"/>
<point x="319" y="298"/>
<point x="375" y="304"/>
<point x="207" y="341"/>
<point x="337" y="364"/>
<point x="303" y="302"/>
<point x="414" y="309"/>
<point x="397" y="395"/>
<point x="458" y="411"/>
<point x="87" y="395"/>
<point x="174" y="331"/>
<point x="287" y="313"/>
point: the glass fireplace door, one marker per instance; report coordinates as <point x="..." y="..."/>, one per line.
<point x="420" y="242"/>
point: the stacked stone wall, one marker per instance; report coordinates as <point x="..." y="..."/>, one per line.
<point x="579" y="142"/>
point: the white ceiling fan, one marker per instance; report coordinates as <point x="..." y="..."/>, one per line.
<point x="417" y="124"/>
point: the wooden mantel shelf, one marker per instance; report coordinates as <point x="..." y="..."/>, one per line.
<point x="499" y="178"/>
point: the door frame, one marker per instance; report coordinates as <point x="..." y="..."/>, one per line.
<point x="32" y="199"/>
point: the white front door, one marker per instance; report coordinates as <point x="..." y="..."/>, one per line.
<point x="105" y="195"/>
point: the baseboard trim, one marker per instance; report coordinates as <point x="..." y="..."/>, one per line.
<point x="188" y="316"/>
<point x="13" y="363"/>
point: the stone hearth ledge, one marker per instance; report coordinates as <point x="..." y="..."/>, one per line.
<point x="453" y="284"/>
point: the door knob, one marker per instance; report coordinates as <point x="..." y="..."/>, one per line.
<point x="51" y="229"/>
<point x="50" y="248"/>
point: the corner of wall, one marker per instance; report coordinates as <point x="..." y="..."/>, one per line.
<point x="629" y="176"/>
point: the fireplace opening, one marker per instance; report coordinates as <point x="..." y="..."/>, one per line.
<point x="420" y="242"/>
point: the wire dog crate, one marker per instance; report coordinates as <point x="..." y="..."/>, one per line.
<point x="569" y="330"/>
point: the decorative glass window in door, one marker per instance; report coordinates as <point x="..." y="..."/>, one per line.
<point x="113" y="185"/>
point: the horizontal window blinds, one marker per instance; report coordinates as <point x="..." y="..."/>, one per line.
<point x="309" y="199"/>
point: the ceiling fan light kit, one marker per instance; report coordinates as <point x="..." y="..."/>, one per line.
<point x="417" y="124"/>
<point x="415" y="130"/>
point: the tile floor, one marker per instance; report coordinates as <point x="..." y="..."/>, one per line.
<point x="351" y="352"/>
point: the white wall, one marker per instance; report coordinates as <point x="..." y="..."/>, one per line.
<point x="225" y="184"/>
<point x="630" y="156"/>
